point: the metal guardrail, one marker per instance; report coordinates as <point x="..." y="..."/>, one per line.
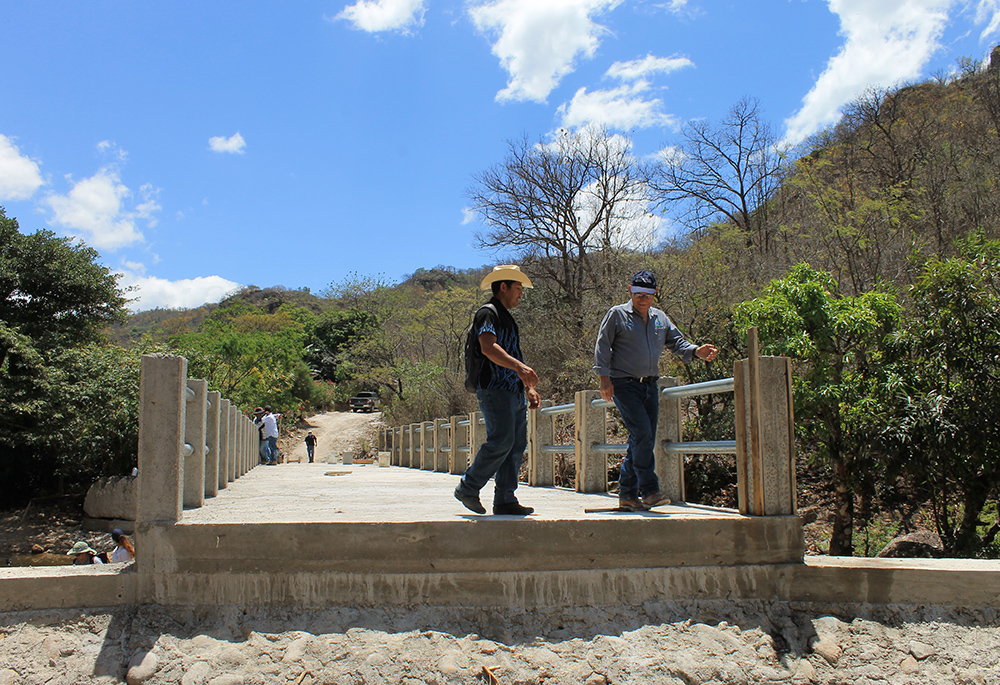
<point x="713" y="387"/>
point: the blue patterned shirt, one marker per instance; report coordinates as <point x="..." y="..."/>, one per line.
<point x="501" y="324"/>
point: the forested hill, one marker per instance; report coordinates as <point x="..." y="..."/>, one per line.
<point x="160" y="324"/>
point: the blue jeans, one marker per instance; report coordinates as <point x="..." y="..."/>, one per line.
<point x="639" y="406"/>
<point x="272" y="448"/>
<point x="311" y="450"/>
<point x="506" y="438"/>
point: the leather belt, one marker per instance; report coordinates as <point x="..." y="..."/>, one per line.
<point x="644" y="379"/>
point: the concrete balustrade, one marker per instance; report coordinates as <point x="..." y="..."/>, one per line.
<point x="764" y="446"/>
<point x="192" y="443"/>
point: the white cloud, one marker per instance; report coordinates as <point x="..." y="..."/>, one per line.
<point x="627" y="106"/>
<point x="538" y="42"/>
<point x="19" y="175"/>
<point x="106" y="147"/>
<point x="468" y="216"/>
<point x="647" y="66"/>
<point x="234" y="144"/>
<point x="384" y="15"/>
<point x="988" y="12"/>
<point x="622" y="108"/>
<point x="94" y="210"/>
<point x="885" y="42"/>
<point x="152" y="292"/>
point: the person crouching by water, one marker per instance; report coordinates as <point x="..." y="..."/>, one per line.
<point x="83" y="553"/>
<point x="123" y="551"/>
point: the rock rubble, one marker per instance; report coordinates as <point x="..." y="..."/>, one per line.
<point x="668" y="643"/>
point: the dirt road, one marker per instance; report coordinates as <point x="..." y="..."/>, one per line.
<point x="336" y="432"/>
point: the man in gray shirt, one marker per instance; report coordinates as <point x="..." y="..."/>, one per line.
<point x="627" y="360"/>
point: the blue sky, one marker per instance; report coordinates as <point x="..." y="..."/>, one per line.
<point x="200" y="146"/>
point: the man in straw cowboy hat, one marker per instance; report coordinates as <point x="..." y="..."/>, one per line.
<point x="627" y="358"/>
<point x="503" y="383"/>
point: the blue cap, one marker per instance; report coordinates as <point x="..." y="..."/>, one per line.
<point x="644" y="279"/>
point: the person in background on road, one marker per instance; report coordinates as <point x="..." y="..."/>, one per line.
<point x="123" y="551"/>
<point x="258" y="420"/>
<point x="267" y="421"/>
<point x="504" y="383"/>
<point x="626" y="358"/>
<point x="311" y="445"/>
<point x="83" y="553"/>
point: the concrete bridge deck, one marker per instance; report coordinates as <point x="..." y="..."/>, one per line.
<point x="367" y="493"/>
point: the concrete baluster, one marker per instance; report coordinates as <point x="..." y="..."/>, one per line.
<point x="234" y="443"/>
<point x="405" y="440"/>
<point x="442" y="444"/>
<point x="427" y="445"/>
<point x="669" y="467"/>
<point x="213" y="399"/>
<point x="224" y="438"/>
<point x="194" y="438"/>
<point x="766" y="480"/>
<point x="162" y="413"/>
<point x="541" y="432"/>
<point x="591" y="467"/>
<point x="416" y="444"/>
<point x="458" y="459"/>
<point x="477" y="434"/>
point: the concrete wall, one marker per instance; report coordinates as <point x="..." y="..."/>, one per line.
<point x="820" y="579"/>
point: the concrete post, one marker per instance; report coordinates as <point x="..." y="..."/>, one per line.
<point x="541" y="432"/>
<point x="245" y="425"/>
<point x="162" y="409"/>
<point x="442" y="444"/>
<point x="766" y="484"/>
<point x="213" y="400"/>
<point x="669" y="467"/>
<point x="416" y="444"/>
<point x="194" y="435"/>
<point x="235" y="446"/>
<point x="404" y="445"/>
<point x="477" y="434"/>
<point x="458" y="460"/>
<point x="224" y="438"/>
<point x="591" y="468"/>
<point x="427" y="446"/>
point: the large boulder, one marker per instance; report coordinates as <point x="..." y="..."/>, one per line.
<point x="113" y="498"/>
<point x="920" y="544"/>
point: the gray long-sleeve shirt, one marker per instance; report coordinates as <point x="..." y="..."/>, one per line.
<point x="628" y="346"/>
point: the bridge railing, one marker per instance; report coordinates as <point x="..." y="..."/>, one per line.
<point x="192" y="442"/>
<point x="764" y="445"/>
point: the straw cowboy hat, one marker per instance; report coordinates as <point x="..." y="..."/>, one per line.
<point x="505" y="272"/>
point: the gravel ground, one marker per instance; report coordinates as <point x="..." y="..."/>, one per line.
<point x="673" y="643"/>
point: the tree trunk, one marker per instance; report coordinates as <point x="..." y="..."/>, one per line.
<point x="967" y="541"/>
<point x="841" y="542"/>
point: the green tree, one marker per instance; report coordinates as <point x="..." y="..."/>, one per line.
<point x="70" y="401"/>
<point x="946" y="387"/>
<point x="837" y="344"/>
<point x="250" y="356"/>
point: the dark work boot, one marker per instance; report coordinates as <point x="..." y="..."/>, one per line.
<point x="471" y="502"/>
<point x="511" y="509"/>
